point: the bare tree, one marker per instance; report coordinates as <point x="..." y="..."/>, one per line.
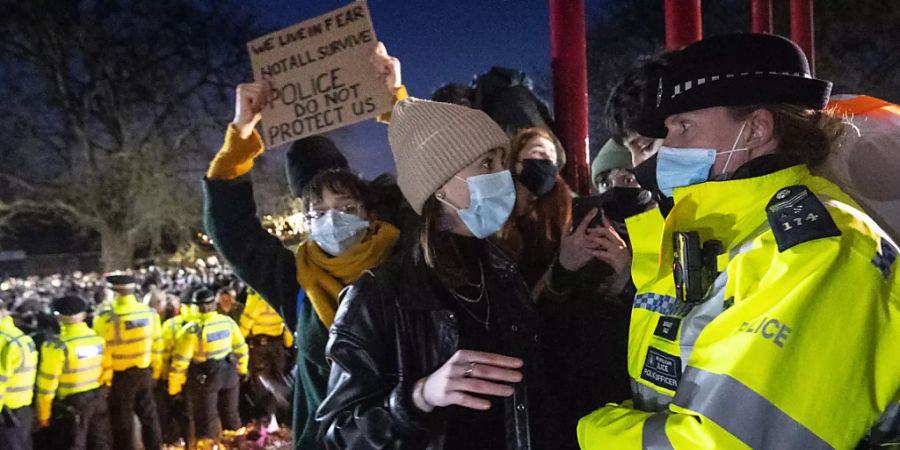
<point x="107" y="104"/>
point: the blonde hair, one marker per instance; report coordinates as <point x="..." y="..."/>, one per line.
<point x="805" y="136"/>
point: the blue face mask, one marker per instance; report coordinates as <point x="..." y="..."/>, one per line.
<point x="677" y="167"/>
<point x="491" y="201"/>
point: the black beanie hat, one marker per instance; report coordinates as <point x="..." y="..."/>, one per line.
<point x="730" y="70"/>
<point x="309" y="156"/>
<point x="69" y="306"/>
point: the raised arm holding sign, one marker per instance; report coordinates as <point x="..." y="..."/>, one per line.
<point x="320" y="75"/>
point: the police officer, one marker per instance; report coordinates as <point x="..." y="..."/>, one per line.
<point x="18" y="364"/>
<point x="756" y="265"/>
<point x="209" y="354"/>
<point x="76" y="367"/>
<point x="173" y="411"/>
<point x="267" y="338"/>
<point x="133" y="334"/>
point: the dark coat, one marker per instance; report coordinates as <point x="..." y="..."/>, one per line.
<point x="391" y="330"/>
<point x="585" y="351"/>
<point x="268" y="267"/>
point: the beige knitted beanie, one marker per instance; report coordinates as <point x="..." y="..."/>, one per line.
<point x="432" y="141"/>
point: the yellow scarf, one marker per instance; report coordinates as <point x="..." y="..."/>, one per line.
<point x="323" y="276"/>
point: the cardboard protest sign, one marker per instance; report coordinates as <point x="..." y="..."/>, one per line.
<point x="321" y="74"/>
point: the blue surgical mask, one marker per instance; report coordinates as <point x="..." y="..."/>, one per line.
<point x="678" y="167"/>
<point x="336" y="231"/>
<point x="491" y="201"/>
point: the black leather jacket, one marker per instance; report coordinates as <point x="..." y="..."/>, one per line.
<point x="391" y="330"/>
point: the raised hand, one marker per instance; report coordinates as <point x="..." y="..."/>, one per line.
<point x="249" y="101"/>
<point x="387" y="68"/>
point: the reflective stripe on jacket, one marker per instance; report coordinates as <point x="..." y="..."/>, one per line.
<point x="133" y="333"/>
<point x="790" y="349"/>
<point x="19" y="363"/>
<point x="170" y="329"/>
<point x="211" y="336"/>
<point x="259" y="318"/>
<point x="75" y="361"/>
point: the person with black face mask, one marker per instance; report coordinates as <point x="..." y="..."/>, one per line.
<point x="621" y="193"/>
<point x="543" y="203"/>
<point x="584" y="300"/>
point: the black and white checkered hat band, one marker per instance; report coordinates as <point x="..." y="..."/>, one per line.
<point x="681" y="88"/>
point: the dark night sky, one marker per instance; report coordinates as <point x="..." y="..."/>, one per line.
<point x="436" y="42"/>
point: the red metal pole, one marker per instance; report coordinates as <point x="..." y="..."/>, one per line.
<point x="684" y="23"/>
<point x="802" y="29"/>
<point x="570" y="98"/>
<point x="761" y="16"/>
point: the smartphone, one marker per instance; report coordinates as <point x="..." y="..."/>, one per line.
<point x="581" y="206"/>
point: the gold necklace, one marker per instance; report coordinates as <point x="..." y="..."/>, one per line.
<point x="487" y="316"/>
<point x="481" y="292"/>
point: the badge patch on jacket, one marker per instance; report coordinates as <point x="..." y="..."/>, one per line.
<point x="667" y="327"/>
<point x="661" y="369"/>
<point x="88" y="351"/>
<point x="797" y="216"/>
<point x="218" y="335"/>
<point x="139" y="323"/>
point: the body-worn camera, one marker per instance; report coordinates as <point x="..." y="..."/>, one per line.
<point x="695" y="265"/>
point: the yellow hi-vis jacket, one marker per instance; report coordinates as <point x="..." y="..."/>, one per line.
<point x="259" y="318"/>
<point x="170" y="329"/>
<point x="793" y="349"/>
<point x="132" y="333"/>
<point x="18" y="366"/>
<point x="209" y="336"/>
<point x="75" y="361"/>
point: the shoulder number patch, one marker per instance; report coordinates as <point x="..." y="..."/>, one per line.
<point x="797" y="216"/>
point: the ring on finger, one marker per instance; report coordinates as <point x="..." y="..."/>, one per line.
<point x="469" y="370"/>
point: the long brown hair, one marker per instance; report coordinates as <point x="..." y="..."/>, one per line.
<point x="523" y="136"/>
<point x="438" y="252"/>
<point x="532" y="235"/>
<point x="552" y="211"/>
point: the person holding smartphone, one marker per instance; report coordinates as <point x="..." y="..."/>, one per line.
<point x="585" y="299"/>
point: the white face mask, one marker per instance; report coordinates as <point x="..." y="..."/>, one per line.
<point x="336" y="231"/>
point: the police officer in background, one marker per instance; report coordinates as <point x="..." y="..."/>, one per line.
<point x="18" y="364"/>
<point x="209" y="354"/>
<point x="174" y="412"/>
<point x="134" y="336"/>
<point x="75" y="368"/>
<point x="268" y="340"/>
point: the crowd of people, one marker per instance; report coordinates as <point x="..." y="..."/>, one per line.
<point x="714" y="292"/>
<point x="92" y="370"/>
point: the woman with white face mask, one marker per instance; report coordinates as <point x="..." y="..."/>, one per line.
<point x="433" y="350"/>
<point x="301" y="286"/>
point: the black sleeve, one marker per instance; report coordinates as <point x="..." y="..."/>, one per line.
<point x="368" y="405"/>
<point x="258" y="258"/>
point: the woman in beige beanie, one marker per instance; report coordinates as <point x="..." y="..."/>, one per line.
<point x="434" y="349"/>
